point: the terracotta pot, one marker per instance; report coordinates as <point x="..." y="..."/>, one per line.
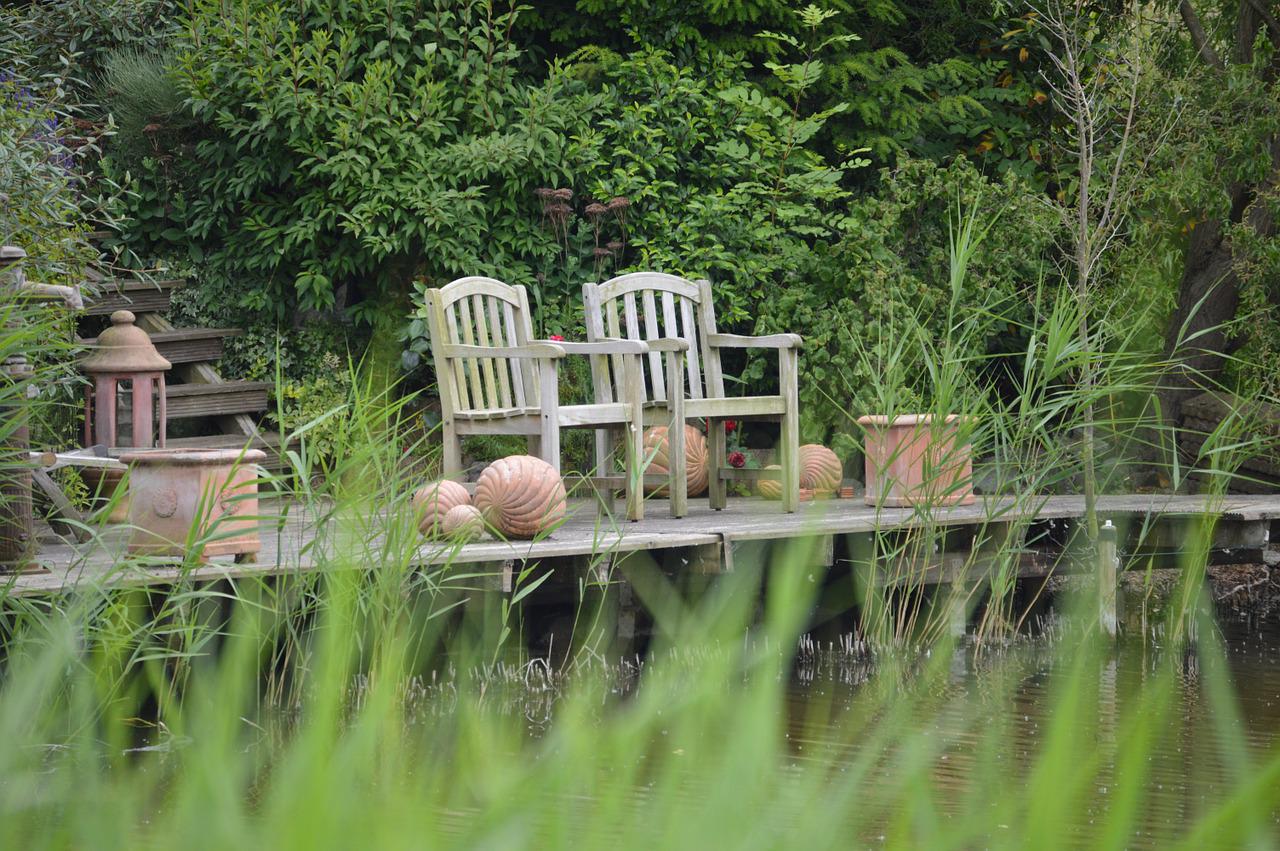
<point x="915" y="460"/>
<point x="103" y="483"/>
<point x="211" y="491"/>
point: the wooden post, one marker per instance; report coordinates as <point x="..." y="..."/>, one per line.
<point x="789" y="441"/>
<point x="1108" y="564"/>
<point x="17" y="521"/>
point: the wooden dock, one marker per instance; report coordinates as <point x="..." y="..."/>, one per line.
<point x="290" y="539"/>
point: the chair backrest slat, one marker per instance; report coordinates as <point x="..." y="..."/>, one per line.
<point x="503" y="366"/>
<point x="593" y="315"/>
<point x="691" y="360"/>
<point x="459" y="371"/>
<point x="632" y="317"/>
<point x="521" y="384"/>
<point x="707" y="314"/>
<point x="467" y="326"/>
<point x="657" y="374"/>
<point x="486" y="313"/>
<point x="613" y="329"/>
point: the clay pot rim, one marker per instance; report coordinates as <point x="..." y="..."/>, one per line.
<point x="907" y="419"/>
<point x="194" y="456"/>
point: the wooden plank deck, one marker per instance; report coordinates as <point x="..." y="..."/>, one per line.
<point x="289" y="539"/>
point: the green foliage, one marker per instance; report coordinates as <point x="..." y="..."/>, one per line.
<point x="719" y="182"/>
<point x="362" y="146"/>
<point x="319" y="401"/>
<point x="67" y="42"/>
<point x="40" y="212"/>
<point x="924" y="80"/>
<point x="868" y="293"/>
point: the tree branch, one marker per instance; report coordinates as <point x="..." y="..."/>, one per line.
<point x="1273" y="25"/>
<point x="1198" y="36"/>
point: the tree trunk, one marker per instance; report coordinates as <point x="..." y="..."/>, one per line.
<point x="1198" y="336"/>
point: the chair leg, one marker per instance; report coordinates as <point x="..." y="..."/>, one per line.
<point x="452" y="460"/>
<point x="718" y="487"/>
<point x="549" y="435"/>
<point x="679" y="484"/>
<point x="790" y="448"/>
<point x="604" y="451"/>
<point x="633" y="439"/>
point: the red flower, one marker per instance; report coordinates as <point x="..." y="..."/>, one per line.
<point x="555" y="338"/>
<point x="730" y="425"/>
<point x="737" y="459"/>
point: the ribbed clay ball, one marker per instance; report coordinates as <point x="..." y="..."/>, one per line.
<point x="820" y="469"/>
<point x="520" y="496"/>
<point x="435" y="500"/>
<point x="770" y="488"/>
<point x="464" y="522"/>
<point x="696" y="470"/>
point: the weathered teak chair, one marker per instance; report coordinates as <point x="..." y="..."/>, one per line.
<point x="495" y="379"/>
<point x="649" y="305"/>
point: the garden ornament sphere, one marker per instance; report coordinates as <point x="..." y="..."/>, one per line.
<point x="820" y="469"/>
<point x="521" y="496"/>
<point x="770" y="488"/>
<point x="463" y="522"/>
<point x="434" y="501"/>
<point x="697" y="470"/>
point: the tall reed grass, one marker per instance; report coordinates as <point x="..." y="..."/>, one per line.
<point x="366" y="700"/>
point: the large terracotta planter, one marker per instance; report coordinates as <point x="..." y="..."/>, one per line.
<point x="917" y="460"/>
<point x="211" y="491"/>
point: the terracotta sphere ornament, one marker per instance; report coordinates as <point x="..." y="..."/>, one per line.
<point x="697" y="470"/>
<point x="770" y="488"/>
<point x="434" y="501"/>
<point x="521" y="496"/>
<point x="820" y="469"/>
<point x="463" y="522"/>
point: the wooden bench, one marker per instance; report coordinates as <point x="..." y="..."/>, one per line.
<point x="188" y="345"/>
<point x="130" y="294"/>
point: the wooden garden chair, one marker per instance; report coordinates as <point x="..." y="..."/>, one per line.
<point x="650" y="305"/>
<point x="494" y="378"/>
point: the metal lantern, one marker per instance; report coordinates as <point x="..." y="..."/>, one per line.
<point x="128" y="381"/>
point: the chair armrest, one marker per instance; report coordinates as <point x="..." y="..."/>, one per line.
<point x="532" y="350"/>
<point x="668" y="344"/>
<point x="608" y="346"/>
<point x="740" y="341"/>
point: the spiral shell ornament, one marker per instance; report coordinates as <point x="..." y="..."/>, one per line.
<point x="463" y="522"/>
<point x="520" y="496"/>
<point x="697" y="470"/>
<point x="770" y="488"/>
<point x="435" y="500"/>
<point x="820" y="469"/>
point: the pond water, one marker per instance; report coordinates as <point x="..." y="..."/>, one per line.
<point x="1197" y="752"/>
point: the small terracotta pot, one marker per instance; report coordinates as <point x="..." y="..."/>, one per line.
<point x="916" y="460"/>
<point x="173" y="491"/>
